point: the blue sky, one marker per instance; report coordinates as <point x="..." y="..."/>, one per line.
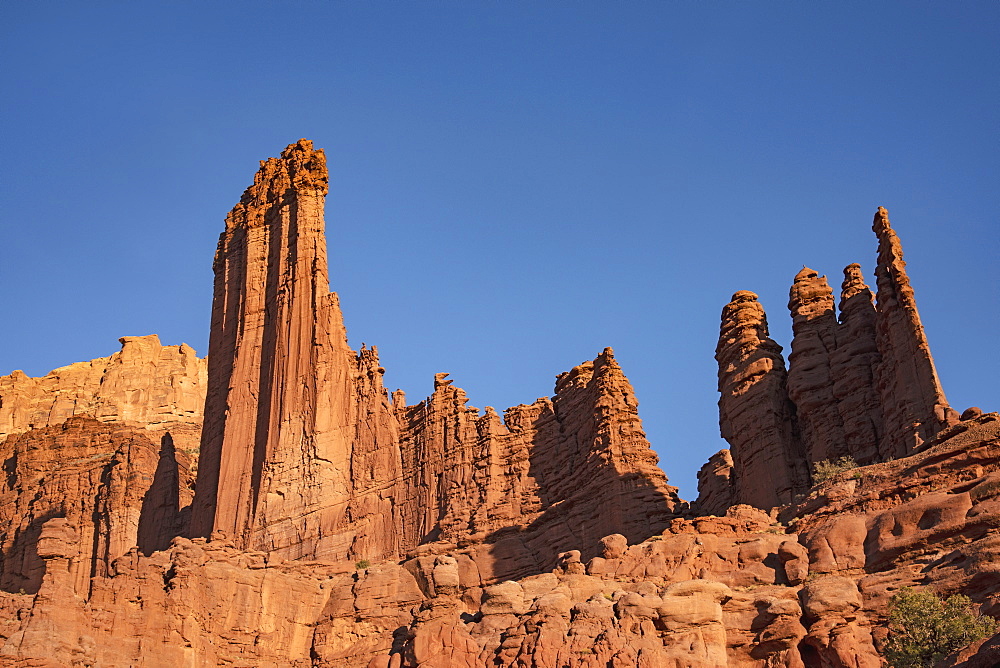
<point x="514" y="186"/>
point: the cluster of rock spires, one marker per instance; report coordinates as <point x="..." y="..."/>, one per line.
<point x="325" y="522"/>
<point x="861" y="386"/>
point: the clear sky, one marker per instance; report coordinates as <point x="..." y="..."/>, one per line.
<point x="514" y="185"/>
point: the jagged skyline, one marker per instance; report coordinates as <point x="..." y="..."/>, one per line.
<point x="503" y="206"/>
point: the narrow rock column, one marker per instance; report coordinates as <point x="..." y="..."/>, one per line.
<point x="810" y="381"/>
<point x="756" y="416"/>
<point x="913" y="404"/>
<point x="853" y="368"/>
<point x="277" y="436"/>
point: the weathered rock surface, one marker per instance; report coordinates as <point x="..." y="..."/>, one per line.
<point x="554" y="475"/>
<point x="862" y="386"/>
<point x="304" y="454"/>
<point x="337" y="526"/>
<point x="810" y="378"/>
<point x="738" y="590"/>
<point x="159" y="388"/>
<point x="715" y="485"/>
<point x="914" y="407"/>
<point x="284" y="388"/>
<point x="755" y="413"/>
<point x="853" y="366"/>
<point x="114" y="485"/>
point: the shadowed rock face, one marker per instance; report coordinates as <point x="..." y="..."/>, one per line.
<point x="114" y="485"/>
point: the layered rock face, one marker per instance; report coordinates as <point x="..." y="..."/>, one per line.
<point x="755" y="413"/>
<point x="304" y="454"/>
<point x="159" y="388"/>
<point x="115" y="485"/>
<point x="285" y="391"/>
<point x="744" y="589"/>
<point x="335" y="525"/>
<point x="554" y="475"/>
<point x="862" y="386"/>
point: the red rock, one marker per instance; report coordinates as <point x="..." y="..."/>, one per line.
<point x="301" y="436"/>
<point x="715" y="485"/>
<point x="289" y="403"/>
<point x="400" y="536"/>
<point x="755" y="414"/>
<point x="110" y="482"/>
<point x="810" y="377"/>
<point x="913" y="404"/>
<point x="158" y="388"/>
<point x="853" y="365"/>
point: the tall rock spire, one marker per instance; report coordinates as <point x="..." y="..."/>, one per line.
<point x="279" y="426"/>
<point x="913" y="404"/>
<point x="853" y="368"/>
<point x="810" y="381"/>
<point x="305" y="456"/>
<point x="755" y="413"/>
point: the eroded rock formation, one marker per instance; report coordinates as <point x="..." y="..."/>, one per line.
<point x="755" y="413"/>
<point x="158" y="388"/>
<point x="914" y="407"/>
<point x="115" y="485"/>
<point x="862" y="386"/>
<point x="335" y="525"/>
<point x="810" y="377"/>
<point x="853" y="366"/>
<point x="305" y="455"/>
<point x="808" y="588"/>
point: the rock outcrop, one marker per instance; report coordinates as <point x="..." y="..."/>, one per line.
<point x="755" y="413"/>
<point x="862" y="386"/>
<point x="158" y="388"/>
<point x="285" y="390"/>
<point x="335" y="525"/>
<point x="807" y="588"/>
<point x="118" y="489"/>
<point x="853" y="366"/>
<point x="305" y="455"/>
<point x="810" y="378"/>
<point x="715" y="485"/>
<point x="914" y="407"/>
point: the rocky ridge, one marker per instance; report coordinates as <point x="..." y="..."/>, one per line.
<point x="333" y="524"/>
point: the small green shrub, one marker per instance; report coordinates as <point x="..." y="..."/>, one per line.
<point x="362" y="565"/>
<point x="923" y="628"/>
<point x="826" y="469"/>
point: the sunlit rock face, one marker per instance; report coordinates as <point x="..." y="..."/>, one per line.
<point x="160" y="389"/>
<point x="861" y="386"/>
<point x="755" y="413"/>
<point x="334" y="524"/>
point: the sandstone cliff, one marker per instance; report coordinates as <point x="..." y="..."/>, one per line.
<point x="808" y="588"/>
<point x="120" y="489"/>
<point x="305" y="455"/>
<point x="336" y="525"/>
<point x="158" y="388"/>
